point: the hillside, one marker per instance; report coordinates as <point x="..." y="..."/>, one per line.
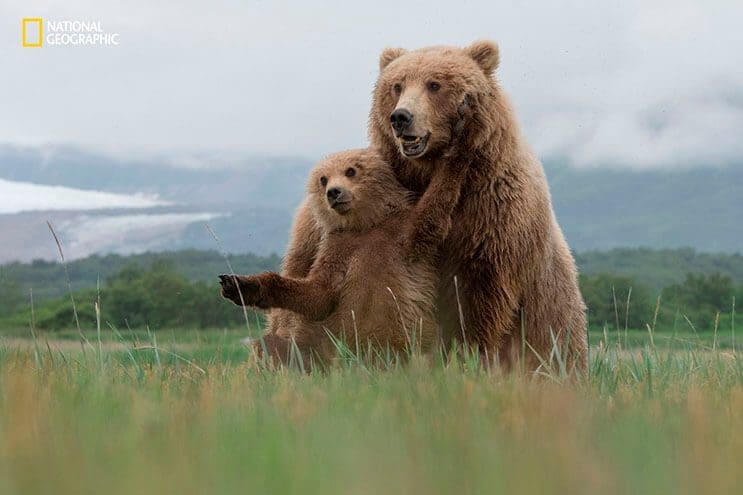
<point x="605" y="208"/>
<point x="249" y="201"/>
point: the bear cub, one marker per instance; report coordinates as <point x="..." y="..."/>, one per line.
<point x="373" y="280"/>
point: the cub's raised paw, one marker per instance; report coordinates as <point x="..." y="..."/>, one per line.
<point x="240" y="290"/>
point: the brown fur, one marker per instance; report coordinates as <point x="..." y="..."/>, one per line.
<point x="372" y="278"/>
<point x="515" y="273"/>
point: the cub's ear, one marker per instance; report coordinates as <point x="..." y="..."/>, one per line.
<point x="486" y="54"/>
<point x="388" y="55"/>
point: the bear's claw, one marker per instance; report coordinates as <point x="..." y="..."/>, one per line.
<point x="239" y="290"/>
<point x="229" y="285"/>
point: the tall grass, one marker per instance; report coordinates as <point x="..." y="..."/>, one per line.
<point x="146" y="419"/>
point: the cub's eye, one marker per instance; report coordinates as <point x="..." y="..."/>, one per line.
<point x="397" y="88"/>
<point x="434" y="86"/>
<point x="350" y="172"/>
<point x="323" y="181"/>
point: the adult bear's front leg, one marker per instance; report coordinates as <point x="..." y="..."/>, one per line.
<point x="482" y="309"/>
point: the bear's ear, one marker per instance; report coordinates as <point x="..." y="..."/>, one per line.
<point x="388" y="55"/>
<point x="486" y="54"/>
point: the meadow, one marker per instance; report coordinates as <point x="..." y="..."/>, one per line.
<point x="191" y="412"/>
<point x="113" y="388"/>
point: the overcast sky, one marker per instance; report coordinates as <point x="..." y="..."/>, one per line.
<point x="629" y="83"/>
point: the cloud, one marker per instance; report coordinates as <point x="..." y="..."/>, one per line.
<point x="673" y="100"/>
<point x="635" y="83"/>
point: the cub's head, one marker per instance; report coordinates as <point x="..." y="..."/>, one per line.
<point x="354" y="190"/>
<point x="422" y="97"/>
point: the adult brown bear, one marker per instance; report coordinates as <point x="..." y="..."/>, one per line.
<point x="508" y="280"/>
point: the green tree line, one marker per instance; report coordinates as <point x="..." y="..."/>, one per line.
<point x="653" y="268"/>
<point x="155" y="296"/>
<point x="699" y="302"/>
<point x="159" y="295"/>
<point x="48" y="278"/>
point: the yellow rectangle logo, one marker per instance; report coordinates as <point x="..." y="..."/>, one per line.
<point x="30" y="38"/>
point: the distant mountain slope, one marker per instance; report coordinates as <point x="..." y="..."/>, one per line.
<point x="249" y="202"/>
<point x="253" y="200"/>
<point x="260" y="180"/>
<point x="605" y="208"/>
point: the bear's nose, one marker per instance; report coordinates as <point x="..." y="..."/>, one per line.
<point x="401" y="120"/>
<point x="333" y="194"/>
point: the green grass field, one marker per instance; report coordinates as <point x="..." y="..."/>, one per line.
<point x="189" y="412"/>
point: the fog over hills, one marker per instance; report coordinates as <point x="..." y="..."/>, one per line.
<point x="129" y="206"/>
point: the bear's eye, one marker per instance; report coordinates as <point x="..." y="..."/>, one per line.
<point x="397" y="88"/>
<point x="324" y="181"/>
<point x="434" y="86"/>
<point x="350" y="172"/>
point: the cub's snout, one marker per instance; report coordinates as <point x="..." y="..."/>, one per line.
<point x="339" y="199"/>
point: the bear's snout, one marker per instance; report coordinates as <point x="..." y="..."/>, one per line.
<point x="334" y="194"/>
<point x="338" y="199"/>
<point x="401" y="119"/>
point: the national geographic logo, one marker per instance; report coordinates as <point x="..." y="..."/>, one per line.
<point x="36" y="33"/>
<point x="32" y="32"/>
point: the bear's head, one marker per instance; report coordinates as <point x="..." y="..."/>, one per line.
<point x="354" y="190"/>
<point x="423" y="97"/>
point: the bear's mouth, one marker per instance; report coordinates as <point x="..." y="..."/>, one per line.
<point x="413" y="146"/>
<point x="341" y="207"/>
